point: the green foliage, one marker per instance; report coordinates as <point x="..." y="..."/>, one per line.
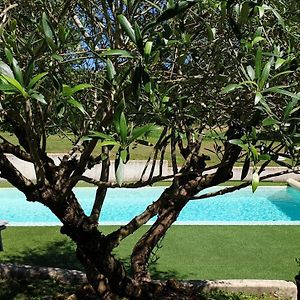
<point x="104" y="74"/>
<point x="255" y="181"/>
<point x="127" y="27"/>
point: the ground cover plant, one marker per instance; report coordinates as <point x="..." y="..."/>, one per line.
<point x="105" y="74"/>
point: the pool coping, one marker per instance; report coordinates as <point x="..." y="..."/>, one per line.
<point x="178" y="223"/>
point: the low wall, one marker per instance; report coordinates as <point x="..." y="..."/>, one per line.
<point x="134" y="169"/>
<point x="237" y="172"/>
<point x="279" y="289"/>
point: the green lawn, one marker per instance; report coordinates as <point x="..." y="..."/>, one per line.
<point x="60" y="144"/>
<point x="188" y="252"/>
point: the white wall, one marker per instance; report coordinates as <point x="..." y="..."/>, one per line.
<point x="134" y="169"/>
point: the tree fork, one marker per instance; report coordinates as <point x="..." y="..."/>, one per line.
<point x="93" y="251"/>
<point x="142" y="250"/>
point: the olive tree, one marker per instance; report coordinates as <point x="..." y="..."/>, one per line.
<point x="105" y="74"/>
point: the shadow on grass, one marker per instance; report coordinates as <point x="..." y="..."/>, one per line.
<point x="34" y="290"/>
<point x="61" y="254"/>
<point x="155" y="273"/>
<point x="58" y="254"/>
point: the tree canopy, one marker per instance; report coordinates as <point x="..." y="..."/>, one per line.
<point x="105" y="74"/>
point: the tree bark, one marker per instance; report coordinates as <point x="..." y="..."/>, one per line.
<point x="105" y="273"/>
<point x="142" y="250"/>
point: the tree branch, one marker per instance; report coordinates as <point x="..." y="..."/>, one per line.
<point x="13" y="176"/>
<point x="117" y="236"/>
<point x="9" y="148"/>
<point x="101" y="191"/>
<point x="33" y="143"/>
<point x="137" y="184"/>
<point x="242" y="185"/>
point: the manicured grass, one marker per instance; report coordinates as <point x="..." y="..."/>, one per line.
<point x="61" y="144"/>
<point x="55" y="144"/>
<point x="188" y="252"/>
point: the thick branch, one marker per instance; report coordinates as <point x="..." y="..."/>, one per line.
<point x="117" y="236"/>
<point x="7" y="147"/>
<point x="13" y="176"/>
<point x="142" y="250"/>
<point x="81" y="167"/>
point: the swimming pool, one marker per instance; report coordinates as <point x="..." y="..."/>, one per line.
<point x="268" y="205"/>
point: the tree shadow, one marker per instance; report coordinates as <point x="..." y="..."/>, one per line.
<point x="163" y="275"/>
<point x="58" y="254"/>
<point x="35" y="290"/>
<point x="62" y="254"/>
<point x="156" y="274"/>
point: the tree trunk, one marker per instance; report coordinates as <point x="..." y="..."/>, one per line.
<point x="105" y="273"/>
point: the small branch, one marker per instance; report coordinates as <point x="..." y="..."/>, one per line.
<point x="156" y="149"/>
<point x="137" y="184"/>
<point x="7" y="9"/>
<point x="238" y="187"/>
<point x="101" y="191"/>
<point x="173" y="152"/>
<point x="3" y="14"/>
<point x="18" y="123"/>
<point x="33" y="143"/>
<point x="181" y="79"/>
<point x="81" y="27"/>
<point x="81" y="167"/>
<point x="161" y="162"/>
<point x="42" y="128"/>
<point x="67" y="8"/>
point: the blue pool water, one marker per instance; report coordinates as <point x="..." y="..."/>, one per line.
<point x="267" y="204"/>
